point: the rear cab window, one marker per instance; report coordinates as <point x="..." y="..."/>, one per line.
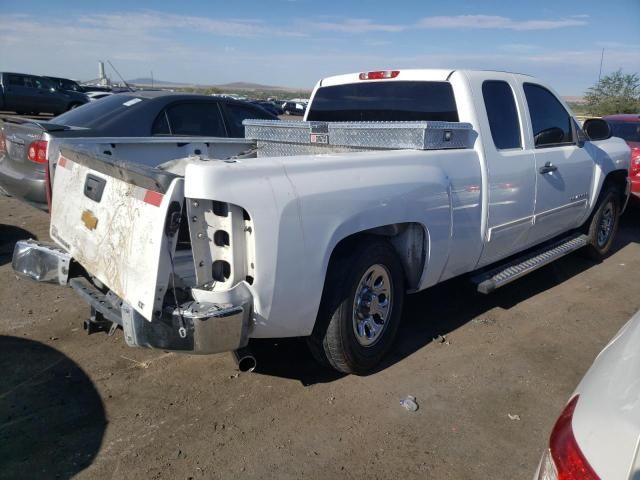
<point x="385" y="101"/>
<point x="502" y="114"/>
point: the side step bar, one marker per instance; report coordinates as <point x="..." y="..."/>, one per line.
<point x="488" y="281"/>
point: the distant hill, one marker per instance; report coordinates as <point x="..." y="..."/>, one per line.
<point x="574" y="99"/>
<point x="249" y="86"/>
<point x="149" y="81"/>
<point x="238" y="86"/>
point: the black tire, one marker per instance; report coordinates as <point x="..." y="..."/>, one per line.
<point x="603" y="224"/>
<point x="335" y="341"/>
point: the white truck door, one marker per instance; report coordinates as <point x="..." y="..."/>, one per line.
<point x="564" y="170"/>
<point x="510" y="165"/>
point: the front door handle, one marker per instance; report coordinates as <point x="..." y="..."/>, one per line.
<point x="548" y="168"/>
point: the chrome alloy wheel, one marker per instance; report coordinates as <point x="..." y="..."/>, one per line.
<point x="372" y="305"/>
<point x="605" y="227"/>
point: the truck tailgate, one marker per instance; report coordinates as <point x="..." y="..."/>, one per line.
<point x="117" y="220"/>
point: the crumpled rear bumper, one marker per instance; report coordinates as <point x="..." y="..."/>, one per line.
<point x="216" y="323"/>
<point x="41" y="262"/>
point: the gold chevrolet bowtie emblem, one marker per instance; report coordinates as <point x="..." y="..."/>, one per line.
<point x="89" y="219"/>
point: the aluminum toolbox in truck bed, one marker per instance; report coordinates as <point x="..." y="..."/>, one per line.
<point x="297" y="138"/>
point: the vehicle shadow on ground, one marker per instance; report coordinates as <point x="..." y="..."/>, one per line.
<point x="9" y="235"/>
<point x="437" y="312"/>
<point x="52" y="419"/>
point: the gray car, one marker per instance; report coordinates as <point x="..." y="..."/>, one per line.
<point x="180" y="124"/>
<point x="30" y="94"/>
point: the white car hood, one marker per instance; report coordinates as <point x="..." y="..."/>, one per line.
<point x="606" y="422"/>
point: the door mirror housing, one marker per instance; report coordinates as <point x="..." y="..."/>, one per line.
<point x="596" y="129"/>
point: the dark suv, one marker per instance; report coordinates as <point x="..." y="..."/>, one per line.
<point x="31" y="94"/>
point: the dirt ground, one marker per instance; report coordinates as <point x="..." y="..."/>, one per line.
<point x="89" y="407"/>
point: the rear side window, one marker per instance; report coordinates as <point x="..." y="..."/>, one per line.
<point x="16" y="80"/>
<point x="550" y="121"/>
<point x="196" y="119"/>
<point x="384" y="101"/>
<point x="161" y="125"/>
<point x="502" y="114"/>
<point x="236" y="113"/>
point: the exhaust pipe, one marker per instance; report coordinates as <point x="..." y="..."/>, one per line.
<point x="245" y="361"/>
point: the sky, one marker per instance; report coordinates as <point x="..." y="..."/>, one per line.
<point x="294" y="43"/>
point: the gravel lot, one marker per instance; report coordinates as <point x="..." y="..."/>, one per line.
<point x="90" y="407"/>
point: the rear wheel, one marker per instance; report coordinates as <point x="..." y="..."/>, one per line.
<point x="603" y="225"/>
<point x="360" y="310"/>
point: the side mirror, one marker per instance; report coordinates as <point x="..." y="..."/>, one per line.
<point x="596" y="129"/>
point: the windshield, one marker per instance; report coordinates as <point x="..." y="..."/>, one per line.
<point x="384" y="101"/>
<point x="629" y="131"/>
<point x="93" y="114"/>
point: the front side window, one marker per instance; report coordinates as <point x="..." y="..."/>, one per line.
<point x="196" y="119"/>
<point x="502" y="114"/>
<point x="550" y="121"/>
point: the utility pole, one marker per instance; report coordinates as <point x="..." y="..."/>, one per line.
<point x="152" y="77"/>
<point x="601" y="60"/>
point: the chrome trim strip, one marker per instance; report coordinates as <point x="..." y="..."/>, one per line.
<point x="504" y="226"/>
<point x="567" y="206"/>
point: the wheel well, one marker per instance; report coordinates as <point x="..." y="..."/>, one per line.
<point x="410" y="241"/>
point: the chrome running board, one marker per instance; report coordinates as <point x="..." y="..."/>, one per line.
<point x="497" y="277"/>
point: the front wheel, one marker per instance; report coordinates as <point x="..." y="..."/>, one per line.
<point x="604" y="224"/>
<point x="360" y="309"/>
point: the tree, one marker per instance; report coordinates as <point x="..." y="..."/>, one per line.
<point x="614" y="93"/>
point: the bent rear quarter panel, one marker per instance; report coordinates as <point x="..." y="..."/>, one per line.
<point x="302" y="206"/>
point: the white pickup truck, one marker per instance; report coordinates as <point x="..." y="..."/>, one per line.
<point x="201" y="255"/>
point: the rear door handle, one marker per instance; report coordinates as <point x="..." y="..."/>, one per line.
<point x="548" y="168"/>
